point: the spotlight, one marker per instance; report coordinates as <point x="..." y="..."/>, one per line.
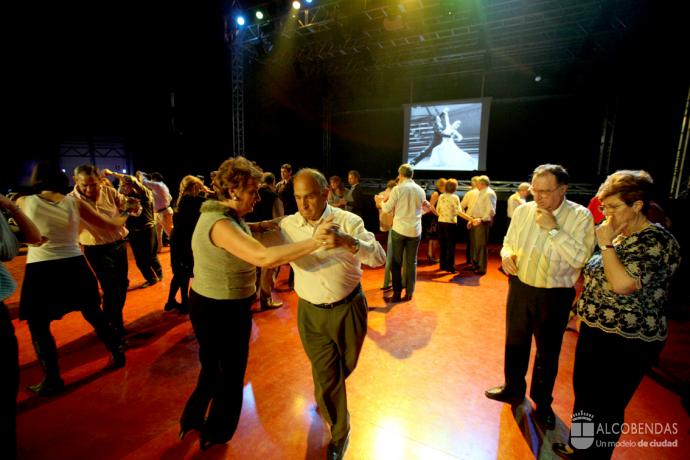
<point x="259" y="15"/>
<point x="537" y="78"/>
<point x="124" y="171"/>
<point x="240" y="20"/>
<point x="308" y="1"/>
<point x="296" y="5"/>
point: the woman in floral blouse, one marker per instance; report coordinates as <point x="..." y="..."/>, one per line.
<point x="623" y="325"/>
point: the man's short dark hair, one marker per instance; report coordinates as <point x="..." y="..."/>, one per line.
<point x="156" y="177"/>
<point x="269" y="178"/>
<point x="354" y="173"/>
<point x="558" y="171"/>
<point x="287" y="167"/>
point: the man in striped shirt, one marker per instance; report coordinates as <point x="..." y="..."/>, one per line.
<point x="549" y="240"/>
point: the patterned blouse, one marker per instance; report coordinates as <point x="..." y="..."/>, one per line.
<point x="447" y="206"/>
<point x="651" y="256"/>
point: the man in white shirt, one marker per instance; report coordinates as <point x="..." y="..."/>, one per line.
<point x="332" y="308"/>
<point x="161" y="204"/>
<point x="482" y="211"/>
<point x="406" y="200"/>
<point x="548" y="242"/>
<point x="468" y="200"/>
<point x="516" y="199"/>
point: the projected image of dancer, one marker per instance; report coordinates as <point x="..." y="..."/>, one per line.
<point x="436" y="140"/>
<point x="447" y="155"/>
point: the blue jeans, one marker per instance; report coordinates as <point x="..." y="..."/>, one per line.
<point x="404" y="249"/>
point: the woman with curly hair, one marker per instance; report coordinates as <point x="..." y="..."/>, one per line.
<point x="223" y="290"/>
<point x="623" y="326"/>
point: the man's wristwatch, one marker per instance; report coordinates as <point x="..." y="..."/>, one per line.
<point x="553" y="232"/>
<point x="604" y="247"/>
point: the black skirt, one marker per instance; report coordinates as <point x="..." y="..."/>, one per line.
<point x="53" y="288"/>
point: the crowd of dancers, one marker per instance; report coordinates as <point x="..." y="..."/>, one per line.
<point x="228" y="241"/>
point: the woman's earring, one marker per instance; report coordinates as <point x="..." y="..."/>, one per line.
<point x="233" y="197"/>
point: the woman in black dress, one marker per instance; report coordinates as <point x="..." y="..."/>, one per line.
<point x="186" y="215"/>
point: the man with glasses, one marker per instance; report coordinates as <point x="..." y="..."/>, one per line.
<point x="549" y="240"/>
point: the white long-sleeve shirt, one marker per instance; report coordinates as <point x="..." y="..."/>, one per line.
<point x="406" y="201"/>
<point x="329" y="275"/>
<point x="547" y="261"/>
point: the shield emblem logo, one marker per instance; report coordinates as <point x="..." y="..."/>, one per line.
<point x="582" y="430"/>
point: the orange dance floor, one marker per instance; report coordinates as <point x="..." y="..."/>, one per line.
<point x="417" y="393"/>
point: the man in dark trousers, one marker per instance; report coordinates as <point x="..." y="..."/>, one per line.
<point x="332" y="308"/>
<point x="105" y="249"/>
<point x="269" y="208"/>
<point x="286" y="191"/>
<point x="548" y="242"/>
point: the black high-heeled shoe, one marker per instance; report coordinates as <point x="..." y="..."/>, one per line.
<point x="186" y="429"/>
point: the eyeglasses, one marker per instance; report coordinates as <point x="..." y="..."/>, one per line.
<point x="534" y="191"/>
<point x="607" y="208"/>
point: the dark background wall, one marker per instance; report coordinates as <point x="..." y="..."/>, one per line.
<point x="84" y="71"/>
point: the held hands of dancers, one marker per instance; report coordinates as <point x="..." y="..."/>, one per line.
<point x="325" y="234"/>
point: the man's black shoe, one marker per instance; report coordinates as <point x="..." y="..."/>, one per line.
<point x="500" y="394"/>
<point x="545" y="417"/>
<point x="336" y="450"/>
<point x="563" y="450"/>
<point x="395" y="298"/>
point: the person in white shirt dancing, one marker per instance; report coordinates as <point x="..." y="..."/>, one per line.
<point x="332" y="308"/>
<point x="407" y="201"/>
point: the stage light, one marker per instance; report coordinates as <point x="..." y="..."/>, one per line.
<point x="296" y="5"/>
<point x="309" y="1"/>
<point x="259" y="15"/>
<point x="537" y="78"/>
<point x="124" y="171"/>
<point x="240" y="20"/>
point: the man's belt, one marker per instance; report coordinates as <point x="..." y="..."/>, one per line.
<point x="346" y="299"/>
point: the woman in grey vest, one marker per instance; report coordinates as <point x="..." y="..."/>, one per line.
<point x="223" y="290"/>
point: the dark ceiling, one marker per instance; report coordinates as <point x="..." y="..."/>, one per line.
<point x="421" y="37"/>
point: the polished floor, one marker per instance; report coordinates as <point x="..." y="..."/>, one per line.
<point x="417" y="392"/>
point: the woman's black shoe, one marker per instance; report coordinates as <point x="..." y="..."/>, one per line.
<point x="48" y="387"/>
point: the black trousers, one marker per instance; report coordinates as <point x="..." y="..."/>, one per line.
<point x="447" y="240"/>
<point x="145" y="248"/>
<point x="9" y="385"/>
<point x="543" y="313"/>
<point x="222" y="328"/>
<point x="109" y="261"/>
<point x="608" y="370"/>
<point x="404" y="261"/>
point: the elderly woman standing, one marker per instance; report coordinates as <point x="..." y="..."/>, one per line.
<point x="223" y="290"/>
<point x="623" y="325"/>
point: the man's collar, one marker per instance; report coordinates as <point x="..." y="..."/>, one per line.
<point x="326" y="212"/>
<point x="558" y="209"/>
